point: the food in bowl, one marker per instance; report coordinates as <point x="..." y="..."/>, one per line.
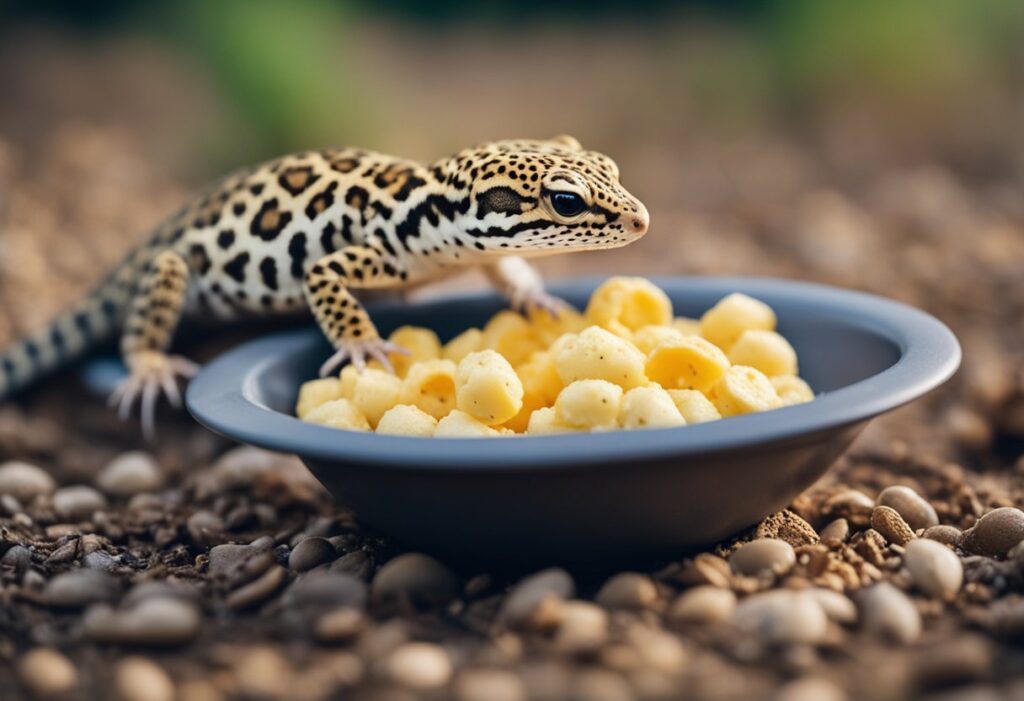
<point x="626" y="362"/>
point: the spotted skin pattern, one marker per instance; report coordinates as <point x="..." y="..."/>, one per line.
<point x="303" y="231"/>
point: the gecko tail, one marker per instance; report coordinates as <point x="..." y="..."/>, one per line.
<point x="91" y="323"/>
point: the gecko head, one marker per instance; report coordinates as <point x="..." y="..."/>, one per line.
<point x="538" y="197"/>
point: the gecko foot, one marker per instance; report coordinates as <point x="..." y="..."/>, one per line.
<point x="358" y="351"/>
<point x="152" y="373"/>
<point x="532" y="300"/>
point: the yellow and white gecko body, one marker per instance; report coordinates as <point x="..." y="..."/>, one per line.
<point x="301" y="231"/>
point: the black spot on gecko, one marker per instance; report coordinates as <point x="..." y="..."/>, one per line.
<point x="225" y="239"/>
<point x="321" y="201"/>
<point x="327" y="238"/>
<point x="268" y="271"/>
<point x="235" y="268"/>
<point x="200" y="260"/>
<point x="297" y="251"/>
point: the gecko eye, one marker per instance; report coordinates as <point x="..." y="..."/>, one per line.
<point x="567" y="204"/>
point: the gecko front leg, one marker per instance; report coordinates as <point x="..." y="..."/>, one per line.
<point x="522" y="286"/>
<point x="148" y="331"/>
<point x="341" y="317"/>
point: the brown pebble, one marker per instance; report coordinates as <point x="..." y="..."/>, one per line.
<point x="910" y="505"/>
<point x="853" y="505"/>
<point x="489" y="685"/>
<point x="141" y="679"/>
<point x="415" y="578"/>
<point x="765" y="554"/>
<point x="788" y="526"/>
<point x="836" y="532"/>
<point x="257" y="590"/>
<point x="995" y="533"/>
<point x="810" y="689"/>
<point x="628" y="590"/>
<point x="583" y="627"/>
<point x="532" y="598"/>
<point x="703" y="605"/>
<point x="310" y="553"/>
<point x="340" y="625"/>
<point x="47" y="672"/>
<point x="935" y="569"/>
<point x="890" y="524"/>
<point x="948" y="535"/>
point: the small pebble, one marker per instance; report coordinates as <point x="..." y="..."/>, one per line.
<point x="628" y="590"/>
<point x="16" y="560"/>
<point x="229" y="559"/>
<point x="152" y="621"/>
<point x="949" y="535"/>
<point x="164" y="588"/>
<point x="890" y="524"/>
<point x="810" y="689"/>
<point x="419" y="665"/>
<point x="600" y="685"/>
<point x="935" y="569"/>
<point x="130" y="473"/>
<point x="910" y="505"/>
<point x="257" y="590"/>
<point x="703" y="605"/>
<point x="325" y="590"/>
<point x="78" y="502"/>
<point x="205" y="527"/>
<point x="888" y="612"/>
<point x="836" y="532"/>
<point x="356" y="563"/>
<point x="532" y="596"/>
<point x="489" y="685"/>
<point x="25" y="482"/>
<point x="583" y="627"/>
<point x="140" y="679"/>
<point x="765" y="554"/>
<point x="782" y="616"/>
<point x="340" y="625"/>
<point x="837" y="607"/>
<point x="47" y="672"/>
<point x="310" y="553"/>
<point x="79" y="588"/>
<point x="416" y="578"/>
<point x="995" y="533"/>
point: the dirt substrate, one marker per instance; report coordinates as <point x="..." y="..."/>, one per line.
<point x="214" y="572"/>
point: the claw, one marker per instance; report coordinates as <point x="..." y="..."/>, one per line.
<point x="152" y="375"/>
<point x="357" y="351"/>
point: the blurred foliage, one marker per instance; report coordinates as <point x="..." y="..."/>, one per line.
<point x="283" y="66"/>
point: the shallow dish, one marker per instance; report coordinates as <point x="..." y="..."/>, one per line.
<point x="608" y="498"/>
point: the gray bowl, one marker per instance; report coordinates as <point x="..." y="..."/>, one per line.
<point x="608" y="498"/>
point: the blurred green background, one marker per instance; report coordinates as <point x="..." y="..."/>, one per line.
<point x="428" y="76"/>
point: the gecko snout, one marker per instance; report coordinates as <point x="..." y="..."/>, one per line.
<point x="637" y="222"/>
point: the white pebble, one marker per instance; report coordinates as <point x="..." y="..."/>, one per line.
<point x="888" y="612"/>
<point x="703" y="605"/>
<point x="782" y="616"/>
<point x="130" y="473"/>
<point x="420" y="665"/>
<point x="77" y="502"/>
<point x="24" y="482"/>
<point x="935" y="569"/>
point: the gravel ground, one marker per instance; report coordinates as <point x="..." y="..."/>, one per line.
<point x="192" y="569"/>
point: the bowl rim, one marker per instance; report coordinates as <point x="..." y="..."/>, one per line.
<point x="223" y="395"/>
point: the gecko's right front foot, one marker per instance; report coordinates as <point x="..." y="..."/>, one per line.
<point x="358" y="351"/>
<point x="150" y="374"/>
